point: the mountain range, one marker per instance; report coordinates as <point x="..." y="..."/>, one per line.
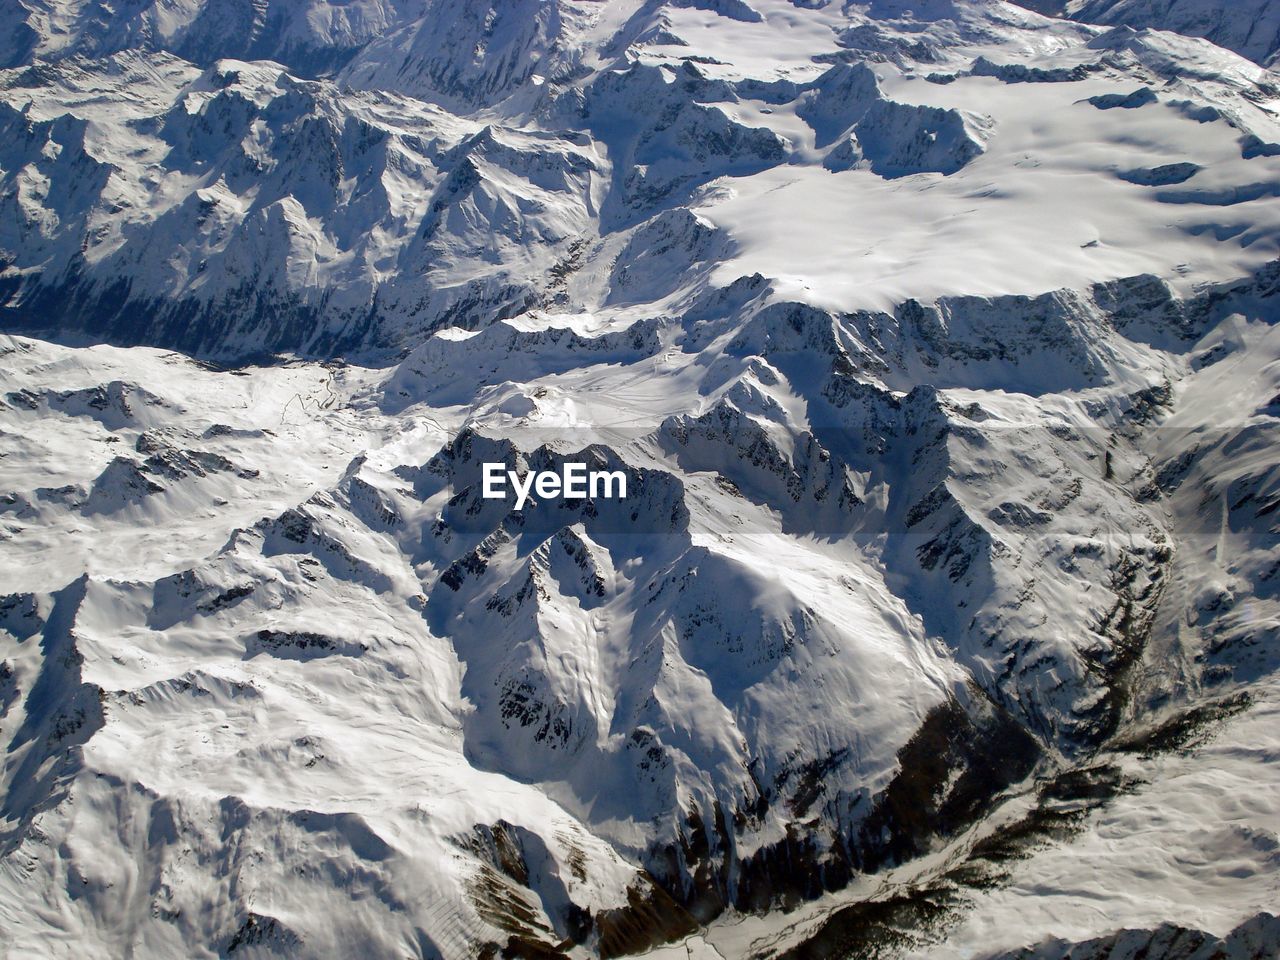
<point x="935" y="339"/>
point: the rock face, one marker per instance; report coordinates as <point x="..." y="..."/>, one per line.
<point x="946" y="406"/>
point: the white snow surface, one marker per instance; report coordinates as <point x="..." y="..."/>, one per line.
<point x="356" y="210"/>
<point x="937" y="340"/>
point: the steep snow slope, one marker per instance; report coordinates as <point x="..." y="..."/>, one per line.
<point x="937" y="345"/>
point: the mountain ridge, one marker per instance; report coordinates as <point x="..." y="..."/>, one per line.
<point x="937" y="344"/>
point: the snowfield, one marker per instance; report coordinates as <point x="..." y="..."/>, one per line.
<point x="936" y="347"/>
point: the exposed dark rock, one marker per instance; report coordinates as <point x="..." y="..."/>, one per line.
<point x="1127" y="101"/>
<point x="302" y="645"/>
<point x="262" y="931"/>
<point x="651" y="917"/>
<point x="1162" y="176"/>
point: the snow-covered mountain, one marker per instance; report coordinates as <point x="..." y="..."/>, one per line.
<point x="235" y="210"/>
<point x="310" y="36"/>
<point x="936" y="343"/>
<point x="1250" y="28"/>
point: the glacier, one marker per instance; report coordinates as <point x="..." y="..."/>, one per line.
<point x="935" y="346"/>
